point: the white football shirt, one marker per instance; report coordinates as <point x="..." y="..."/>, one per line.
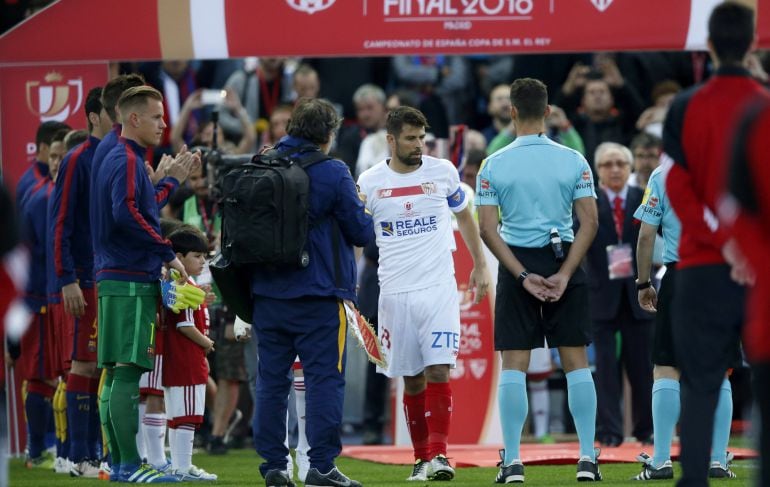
<point x="413" y="223"/>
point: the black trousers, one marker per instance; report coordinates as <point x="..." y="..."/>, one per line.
<point x="708" y="317"/>
<point x="636" y="359"/>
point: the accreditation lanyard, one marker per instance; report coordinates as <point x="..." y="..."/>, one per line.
<point x="208" y="226"/>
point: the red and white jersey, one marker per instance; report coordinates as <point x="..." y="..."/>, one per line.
<point x="413" y="222"/>
<point x="184" y="361"/>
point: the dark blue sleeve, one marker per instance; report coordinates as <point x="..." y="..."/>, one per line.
<point x="127" y="192"/>
<point x="354" y="220"/>
<point x="164" y="189"/>
<point x="69" y="184"/>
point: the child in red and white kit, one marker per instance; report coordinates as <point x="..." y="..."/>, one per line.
<point x="185" y="368"/>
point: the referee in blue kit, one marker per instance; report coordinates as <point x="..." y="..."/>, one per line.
<point x="532" y="185"/>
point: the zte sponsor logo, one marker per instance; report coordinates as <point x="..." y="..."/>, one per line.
<point x="445" y="339"/>
<point x="412" y="226"/>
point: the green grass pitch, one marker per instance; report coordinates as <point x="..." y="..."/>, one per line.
<point x="240" y="468"/>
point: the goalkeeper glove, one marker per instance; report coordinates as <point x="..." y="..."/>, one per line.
<point x="177" y="297"/>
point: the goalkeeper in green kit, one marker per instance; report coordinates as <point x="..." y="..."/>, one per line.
<point x="128" y="255"/>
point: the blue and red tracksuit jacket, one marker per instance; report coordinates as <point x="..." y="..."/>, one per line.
<point x="125" y="217"/>
<point x="69" y="223"/>
<point x="33" y="222"/>
<point x="36" y="173"/>
<point x="102" y="149"/>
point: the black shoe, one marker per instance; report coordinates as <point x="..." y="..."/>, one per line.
<point x="719" y="471"/>
<point x="587" y="470"/>
<point x="334" y="478"/>
<point x="217" y="446"/>
<point x="649" y="472"/>
<point x="509" y="474"/>
<point x="278" y="478"/>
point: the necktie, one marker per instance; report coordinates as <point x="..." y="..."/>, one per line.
<point x="619" y="215"/>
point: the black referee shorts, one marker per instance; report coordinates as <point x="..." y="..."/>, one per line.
<point x="663" y="351"/>
<point x="522" y="322"/>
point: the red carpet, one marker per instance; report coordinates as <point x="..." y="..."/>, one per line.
<point x="531" y="454"/>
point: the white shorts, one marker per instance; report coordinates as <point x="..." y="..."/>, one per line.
<point x="152" y="382"/>
<point x="185" y="404"/>
<point x="419" y="328"/>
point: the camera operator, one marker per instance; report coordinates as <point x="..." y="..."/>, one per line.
<point x="205" y="134"/>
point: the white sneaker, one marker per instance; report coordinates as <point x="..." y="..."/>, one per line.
<point x="61" y="465"/>
<point x="441" y="469"/>
<point x="195" y="474"/>
<point x="87" y="468"/>
<point x="303" y="465"/>
<point x="421" y="471"/>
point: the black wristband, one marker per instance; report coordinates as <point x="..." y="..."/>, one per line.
<point x="643" y="285"/>
<point x="522" y="277"/>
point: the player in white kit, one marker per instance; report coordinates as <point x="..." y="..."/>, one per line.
<point x="411" y="196"/>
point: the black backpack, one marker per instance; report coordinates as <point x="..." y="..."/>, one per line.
<point x="265" y="208"/>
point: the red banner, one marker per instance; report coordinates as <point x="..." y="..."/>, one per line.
<point x="386" y="27"/>
<point x="217" y="29"/>
<point x="31" y="95"/>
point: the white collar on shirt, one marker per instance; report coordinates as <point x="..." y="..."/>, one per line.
<point x="611" y="194"/>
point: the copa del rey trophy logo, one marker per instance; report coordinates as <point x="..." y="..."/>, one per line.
<point x="602" y="5"/>
<point x="310" y="6"/>
<point x="54" y="98"/>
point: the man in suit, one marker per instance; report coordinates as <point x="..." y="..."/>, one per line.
<point x="614" y="307"/>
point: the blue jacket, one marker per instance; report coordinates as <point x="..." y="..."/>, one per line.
<point x="333" y="196"/>
<point x="125" y="217"/>
<point x="105" y="146"/>
<point x="33" y="222"/>
<point x="69" y="222"/>
<point x="32" y="176"/>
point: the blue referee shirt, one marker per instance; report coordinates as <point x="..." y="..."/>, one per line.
<point x="534" y="181"/>
<point x="656" y="210"/>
